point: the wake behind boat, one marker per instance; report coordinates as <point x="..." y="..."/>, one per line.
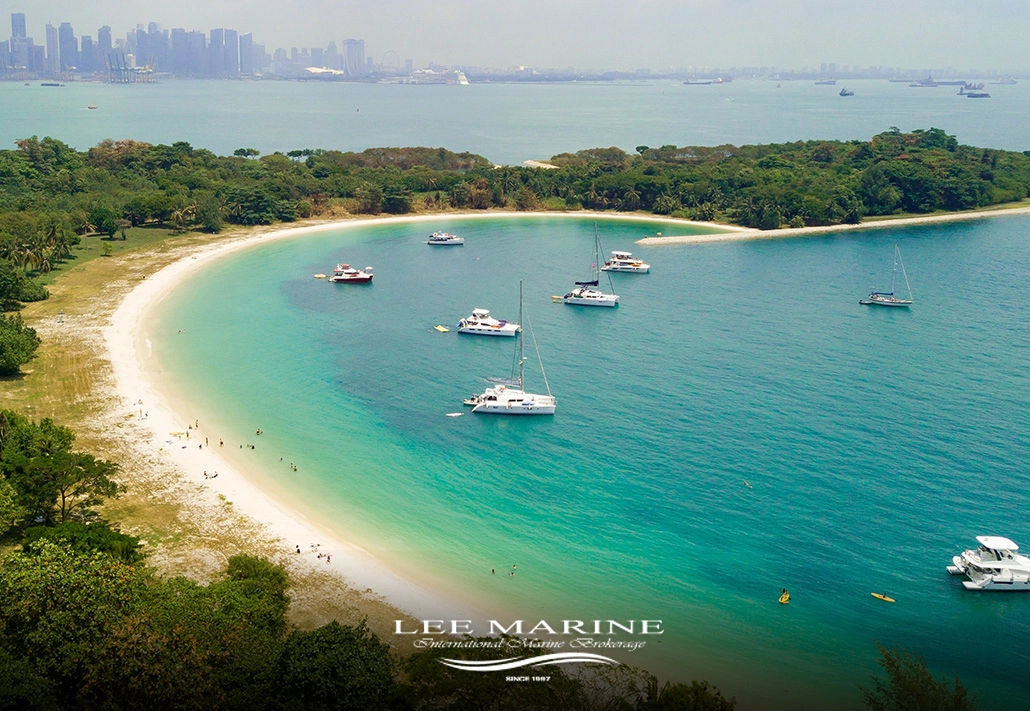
<point x="889" y="298"/>
<point x="507" y="396"/>
<point x="481" y="323"/>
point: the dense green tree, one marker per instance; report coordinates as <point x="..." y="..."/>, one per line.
<point x="103" y="219"/>
<point x="335" y="667"/>
<point x="910" y="686"/>
<point x="18" y="344"/>
<point x="84" y="538"/>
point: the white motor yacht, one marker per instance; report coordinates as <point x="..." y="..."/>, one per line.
<point x="445" y="239"/>
<point x="995" y="564"/>
<point x="583" y="295"/>
<point x="625" y="262"/>
<point x="345" y="273"/>
<point x="481" y="323"/>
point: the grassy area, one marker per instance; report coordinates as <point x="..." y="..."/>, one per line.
<point x="94" y="246"/>
<point x="71" y="382"/>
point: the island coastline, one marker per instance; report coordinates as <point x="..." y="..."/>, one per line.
<point x="140" y="416"/>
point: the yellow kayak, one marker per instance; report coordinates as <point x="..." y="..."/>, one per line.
<point x="881" y="596"/>
<point x="785" y="598"/>
<point x="441" y="329"/>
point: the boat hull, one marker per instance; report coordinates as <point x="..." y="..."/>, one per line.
<point x="351" y="280"/>
<point x="515" y="408"/>
<point x="882" y="302"/>
<point x="635" y="270"/>
<point x="487" y="331"/>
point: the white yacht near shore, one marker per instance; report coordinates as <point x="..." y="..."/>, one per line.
<point x="481" y="323"/>
<point x="507" y="396"/>
<point x="625" y="262"/>
<point x="445" y="239"/>
<point x="994" y="565"/>
<point x="587" y="293"/>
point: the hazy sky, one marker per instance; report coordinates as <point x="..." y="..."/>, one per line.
<point x="594" y="34"/>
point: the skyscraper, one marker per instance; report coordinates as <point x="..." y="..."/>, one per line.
<point x="69" y="46"/>
<point x="53" y="51"/>
<point x="20" y="46"/>
<point x="354" y="57"/>
<point x="231" y="53"/>
<point x="18" y="25"/>
<point x="247" y="54"/>
<point x="216" y="52"/>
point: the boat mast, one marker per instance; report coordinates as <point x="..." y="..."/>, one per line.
<point x="897" y="256"/>
<point x="597" y="261"/>
<point x="522" y="346"/>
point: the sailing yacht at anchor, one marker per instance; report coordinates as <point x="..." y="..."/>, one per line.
<point x="586" y="293"/>
<point x="507" y="396"/>
<point x="888" y="298"/>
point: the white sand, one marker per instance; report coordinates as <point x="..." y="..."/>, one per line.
<point x="734" y="233"/>
<point x="156" y="407"/>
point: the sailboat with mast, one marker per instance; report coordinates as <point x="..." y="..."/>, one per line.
<point x="889" y="298"/>
<point x="586" y="293"/>
<point x="507" y="396"/>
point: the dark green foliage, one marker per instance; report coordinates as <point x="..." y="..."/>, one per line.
<point x="52" y="483"/>
<point x="696" y="696"/>
<point x="335" y="667"/>
<point x="83" y="538"/>
<point x="22" y="688"/>
<point x="18" y="344"/>
<point x="910" y="686"/>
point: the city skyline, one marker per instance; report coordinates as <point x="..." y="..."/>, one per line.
<point x="659" y="35"/>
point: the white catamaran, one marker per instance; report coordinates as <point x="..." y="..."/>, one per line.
<point x="888" y="298"/>
<point x="586" y="293"/>
<point x="506" y="396"/>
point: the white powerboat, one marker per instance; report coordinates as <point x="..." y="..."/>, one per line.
<point x="345" y="273"/>
<point x="445" y="239"/>
<point x="583" y="295"/>
<point x="995" y="564"/>
<point x="625" y="262"/>
<point x="507" y="396"/>
<point x="481" y="323"/>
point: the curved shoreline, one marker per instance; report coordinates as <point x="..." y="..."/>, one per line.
<point x="734" y="233"/>
<point x="155" y="410"/>
<point x="148" y="439"/>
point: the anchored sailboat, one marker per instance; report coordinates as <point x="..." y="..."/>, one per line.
<point x="888" y="298"/>
<point x="586" y="293"/>
<point x="507" y="396"/>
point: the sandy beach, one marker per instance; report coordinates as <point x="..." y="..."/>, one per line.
<point x="135" y="418"/>
<point x="734" y="233"/>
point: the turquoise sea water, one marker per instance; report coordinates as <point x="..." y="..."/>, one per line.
<point x="876" y="442"/>
<point x="507" y="123"/>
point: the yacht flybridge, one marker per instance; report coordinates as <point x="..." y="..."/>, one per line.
<point x="481" y="323"/>
<point x="995" y="564"/>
